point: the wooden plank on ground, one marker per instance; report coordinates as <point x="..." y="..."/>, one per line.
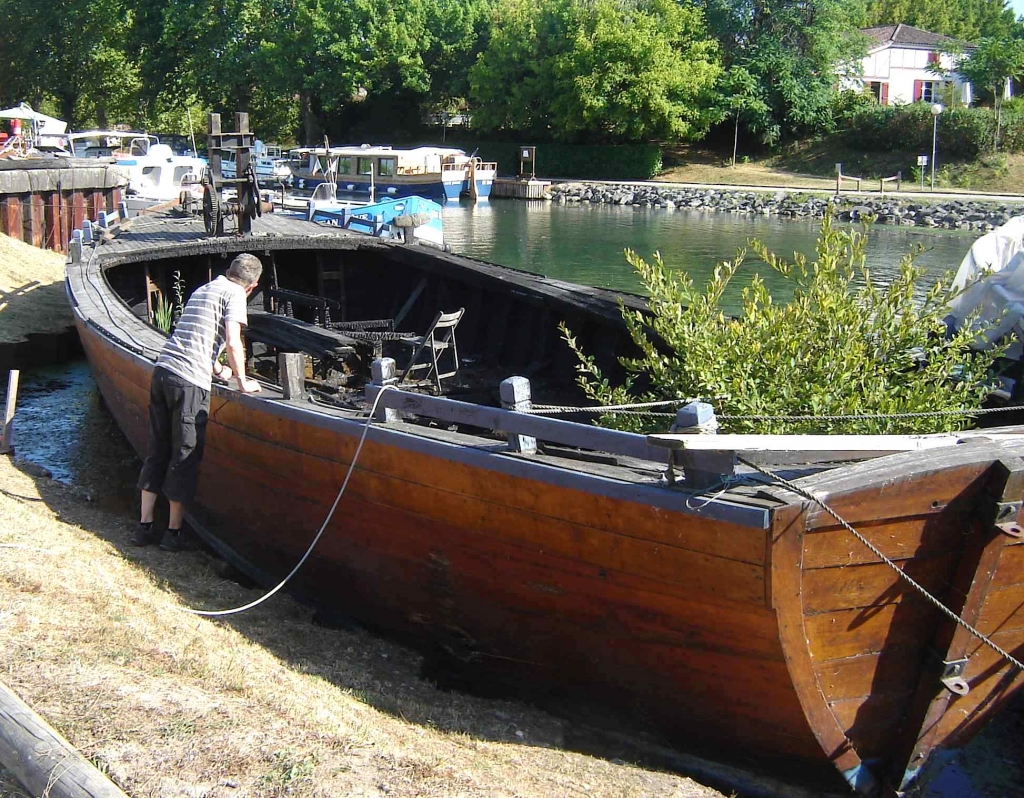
<point x="43" y="761"/>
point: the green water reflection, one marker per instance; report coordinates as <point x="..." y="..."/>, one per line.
<point x="584" y="243"/>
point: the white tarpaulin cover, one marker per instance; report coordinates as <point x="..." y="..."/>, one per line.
<point x="994" y="276"/>
<point x="48" y="125"/>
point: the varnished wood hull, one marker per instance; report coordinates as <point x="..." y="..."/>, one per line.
<point x="766" y="629"/>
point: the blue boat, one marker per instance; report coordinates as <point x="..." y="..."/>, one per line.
<point x="406" y="218"/>
<point x="364" y="173"/>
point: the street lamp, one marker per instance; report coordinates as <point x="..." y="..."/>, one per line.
<point x="936" y="110"/>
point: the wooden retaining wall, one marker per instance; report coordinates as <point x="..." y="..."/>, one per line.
<point x="42" y="201"/>
<point x="519" y="189"/>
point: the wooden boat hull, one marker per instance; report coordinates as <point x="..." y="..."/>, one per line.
<point x="763" y="626"/>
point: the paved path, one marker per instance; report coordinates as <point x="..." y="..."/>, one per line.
<point x="929" y="196"/>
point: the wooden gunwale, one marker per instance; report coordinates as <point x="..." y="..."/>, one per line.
<point x="734" y="643"/>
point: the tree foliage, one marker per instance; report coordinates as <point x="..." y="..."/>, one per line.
<point x="795" y="50"/>
<point x="596" y="70"/>
<point x="844" y="344"/>
<point x="967" y="20"/>
<point x="990" y="64"/>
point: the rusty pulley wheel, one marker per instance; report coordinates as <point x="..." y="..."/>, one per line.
<point x="212" y="219"/>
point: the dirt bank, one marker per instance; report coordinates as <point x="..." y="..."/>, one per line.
<point x="266" y="704"/>
<point x="32" y="296"/>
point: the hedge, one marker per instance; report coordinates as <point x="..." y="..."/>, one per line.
<point x="963" y="133"/>
<point x="573" y="161"/>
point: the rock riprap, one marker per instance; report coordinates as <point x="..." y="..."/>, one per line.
<point x="887" y="209"/>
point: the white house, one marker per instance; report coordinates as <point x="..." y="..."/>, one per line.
<point x="896" y="68"/>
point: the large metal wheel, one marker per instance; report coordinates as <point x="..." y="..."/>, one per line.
<point x="254" y="191"/>
<point x="212" y="218"/>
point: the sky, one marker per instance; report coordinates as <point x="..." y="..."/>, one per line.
<point x="1018" y="7"/>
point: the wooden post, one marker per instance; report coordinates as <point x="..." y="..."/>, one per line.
<point x="86" y="232"/>
<point x="122" y="209"/>
<point x="38" y="221"/>
<point x="7" y="442"/>
<point x="839" y="178"/>
<point x="78" y="208"/>
<point x="12" y="217"/>
<point x="515" y="395"/>
<point x="291" y="368"/>
<point x="43" y="761"/>
<point x="696" y="417"/>
<point x="382" y="372"/>
<point x="75" y="246"/>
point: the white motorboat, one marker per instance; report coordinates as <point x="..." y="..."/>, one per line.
<point x="155" y="173"/>
<point x="272" y="167"/>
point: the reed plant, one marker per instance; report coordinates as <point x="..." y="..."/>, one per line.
<point x="844" y="344"/>
<point x="163" y="315"/>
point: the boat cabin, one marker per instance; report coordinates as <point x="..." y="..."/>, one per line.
<point x="110" y="143"/>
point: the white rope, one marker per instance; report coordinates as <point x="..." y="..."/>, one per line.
<point x="550" y="409"/>
<point x="327" y="520"/>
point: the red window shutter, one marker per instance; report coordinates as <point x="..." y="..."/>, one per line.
<point x="884" y="100"/>
<point x="933" y="57"/>
<point x="918" y="90"/>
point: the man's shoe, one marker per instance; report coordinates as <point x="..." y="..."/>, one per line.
<point x="174" y="540"/>
<point x="145" y="535"/>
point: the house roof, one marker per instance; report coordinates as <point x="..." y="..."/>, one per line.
<point x="905" y="36"/>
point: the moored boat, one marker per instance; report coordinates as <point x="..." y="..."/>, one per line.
<point x="155" y="173"/>
<point x="747" y="616"/>
<point x="272" y="167"/>
<point x="435" y="173"/>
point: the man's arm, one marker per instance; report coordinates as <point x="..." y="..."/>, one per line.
<point x="236" y="357"/>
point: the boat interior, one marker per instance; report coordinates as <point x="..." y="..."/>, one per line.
<point x="456" y="328"/>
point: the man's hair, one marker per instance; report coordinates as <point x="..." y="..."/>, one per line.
<point x="245" y="270"/>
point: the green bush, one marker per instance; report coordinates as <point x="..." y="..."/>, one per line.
<point x="844" y="344"/>
<point x="963" y="132"/>
<point x="574" y="161"/>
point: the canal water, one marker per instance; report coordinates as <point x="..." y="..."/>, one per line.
<point x="62" y="425"/>
<point x="585" y="243"/>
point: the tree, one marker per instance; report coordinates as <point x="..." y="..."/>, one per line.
<point x="740" y="96"/>
<point x="990" y="64"/>
<point x="596" y="70"/>
<point x="842" y="345"/>
<point x="74" y="53"/>
<point x="795" y="50"/>
<point x="967" y="20"/>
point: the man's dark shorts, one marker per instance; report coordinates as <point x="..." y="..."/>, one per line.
<point x="178" y="411"/>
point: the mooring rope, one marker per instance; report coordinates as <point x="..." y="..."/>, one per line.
<point x="874" y="550"/>
<point x="327" y="520"/>
<point x="634" y="410"/>
<point x="981" y="411"/>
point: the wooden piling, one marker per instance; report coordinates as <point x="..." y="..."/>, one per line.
<point x="42" y="761"/>
<point x="516" y="395"/>
<point x="292" y="374"/>
<point x="7" y="441"/>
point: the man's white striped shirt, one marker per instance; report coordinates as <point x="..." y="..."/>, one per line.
<point x="199" y="336"/>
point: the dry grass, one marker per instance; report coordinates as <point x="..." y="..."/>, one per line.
<point x="813" y="167"/>
<point x="32" y="296"/>
<point x="93" y="637"/>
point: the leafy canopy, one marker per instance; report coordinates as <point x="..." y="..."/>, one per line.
<point x="596" y="70"/>
<point x="844" y="344"/>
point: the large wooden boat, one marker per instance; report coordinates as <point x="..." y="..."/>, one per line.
<point x="746" y="617"/>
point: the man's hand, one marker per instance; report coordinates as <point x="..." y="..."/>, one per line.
<point x="245" y="385"/>
<point x="224" y="373"/>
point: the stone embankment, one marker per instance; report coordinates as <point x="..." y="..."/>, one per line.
<point x="950" y="214"/>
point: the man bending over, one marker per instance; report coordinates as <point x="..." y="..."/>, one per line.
<point x="179" y="395"/>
